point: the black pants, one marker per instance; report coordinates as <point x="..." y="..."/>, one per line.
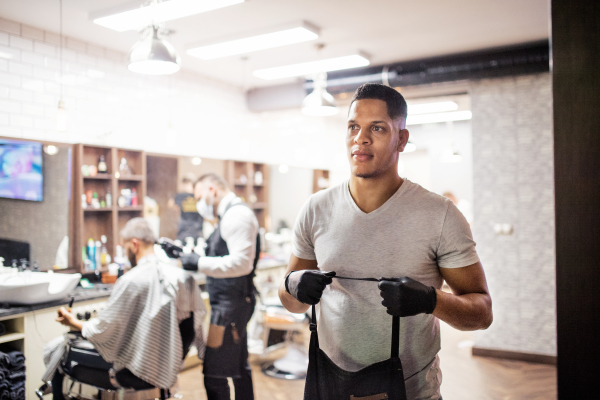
<point x="231" y="359"/>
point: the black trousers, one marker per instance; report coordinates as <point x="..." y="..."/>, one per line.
<point x="231" y="359"/>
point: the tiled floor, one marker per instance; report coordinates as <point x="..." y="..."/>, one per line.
<point x="465" y="377"/>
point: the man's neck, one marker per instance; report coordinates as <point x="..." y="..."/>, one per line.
<point x="371" y="193"/>
<point x="144" y="253"/>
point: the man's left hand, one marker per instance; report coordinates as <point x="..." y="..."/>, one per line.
<point x="404" y="297"/>
<point x="190" y="261"/>
<point x="66" y="318"/>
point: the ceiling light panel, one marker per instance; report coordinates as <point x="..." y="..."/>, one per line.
<point x="438" y="117"/>
<point x="440" y="106"/>
<point x="265" y="39"/>
<point x="313" y="67"/>
<point x="132" y="16"/>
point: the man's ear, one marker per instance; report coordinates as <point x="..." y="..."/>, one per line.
<point x="135" y="244"/>
<point x="403" y="139"/>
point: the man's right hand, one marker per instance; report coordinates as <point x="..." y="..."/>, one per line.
<point x="307" y="285"/>
<point x="189" y="261"/>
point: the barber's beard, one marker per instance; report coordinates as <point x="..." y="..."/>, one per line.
<point x="131" y="258"/>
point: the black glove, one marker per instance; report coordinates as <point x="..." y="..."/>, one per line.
<point x="170" y="248"/>
<point x="404" y="297"/>
<point x="190" y="261"/>
<point x="307" y="285"/>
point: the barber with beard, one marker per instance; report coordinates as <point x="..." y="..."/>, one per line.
<point x="231" y="256"/>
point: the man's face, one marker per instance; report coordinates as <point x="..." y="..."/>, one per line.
<point x="204" y="190"/>
<point x="373" y="139"/>
<point x="131" y="247"/>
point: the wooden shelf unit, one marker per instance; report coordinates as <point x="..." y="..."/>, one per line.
<point x="14" y="337"/>
<point x="320" y="174"/>
<point x="255" y="194"/>
<point x="109" y="220"/>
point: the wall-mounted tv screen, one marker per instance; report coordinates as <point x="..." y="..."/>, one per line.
<point x="21" y="170"/>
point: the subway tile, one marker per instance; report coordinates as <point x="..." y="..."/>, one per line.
<point x="15" y="67"/>
<point x="75" y="44"/>
<point x="45" y="48"/>
<point x="3" y="119"/>
<point x="9" y="131"/>
<point x="86" y="59"/>
<point x="68" y="54"/>
<point x="10" y="106"/>
<point x="9" y="53"/>
<point x="9" y="79"/>
<point x="10" y="26"/>
<point x="21" y="121"/>
<point x="34" y="85"/>
<point x="43" y="98"/>
<point x="4" y="38"/>
<point x="33" y="110"/>
<point x="115" y="55"/>
<point x="95" y="50"/>
<point x="32" y="33"/>
<point x="45" y="73"/>
<point x="3" y="65"/>
<point x="20" y="42"/>
<point x="44" y="123"/>
<point x="4" y="92"/>
<point x="52" y="38"/>
<point x="20" y="95"/>
<point x="33" y="58"/>
<point x="35" y="134"/>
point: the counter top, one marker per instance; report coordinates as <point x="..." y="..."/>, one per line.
<point x="99" y="291"/>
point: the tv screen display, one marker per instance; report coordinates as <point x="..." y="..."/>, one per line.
<point x="21" y="170"/>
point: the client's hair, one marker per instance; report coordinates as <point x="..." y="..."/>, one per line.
<point x="215" y="180"/>
<point x="138" y="228"/>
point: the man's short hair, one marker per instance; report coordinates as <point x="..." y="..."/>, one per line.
<point x="138" y="228"/>
<point x="214" y="179"/>
<point x="189" y="178"/>
<point x="396" y="105"/>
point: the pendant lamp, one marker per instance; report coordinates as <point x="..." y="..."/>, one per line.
<point x="319" y="103"/>
<point x="153" y="55"/>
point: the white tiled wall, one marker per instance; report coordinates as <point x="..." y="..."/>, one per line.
<point x="109" y="105"/>
<point x="513" y="181"/>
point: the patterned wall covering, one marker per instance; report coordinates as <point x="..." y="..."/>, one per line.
<point x="514" y="183"/>
<point x="43" y="224"/>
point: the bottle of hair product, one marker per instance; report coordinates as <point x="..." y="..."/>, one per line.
<point x="92" y="253"/>
<point x="108" y="199"/>
<point x="102" y="167"/>
<point x="134" y="198"/>
<point x="104" y="257"/>
<point x="97" y="254"/>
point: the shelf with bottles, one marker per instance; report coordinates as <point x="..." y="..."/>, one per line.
<point x="97" y="194"/>
<point x="130" y="193"/>
<point x="97" y="240"/>
<point x="130" y="164"/>
<point x="96" y="162"/>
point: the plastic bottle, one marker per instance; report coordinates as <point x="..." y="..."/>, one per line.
<point x="108" y="199"/>
<point x="92" y="253"/>
<point x="97" y="253"/>
<point x="134" y="198"/>
<point x="102" y="168"/>
<point x="104" y="257"/>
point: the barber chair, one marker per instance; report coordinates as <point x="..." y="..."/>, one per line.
<point x="92" y="378"/>
<point x="294" y="363"/>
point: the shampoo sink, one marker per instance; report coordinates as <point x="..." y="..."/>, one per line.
<point x="27" y="288"/>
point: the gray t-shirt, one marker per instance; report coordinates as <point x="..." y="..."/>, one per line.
<point x="414" y="234"/>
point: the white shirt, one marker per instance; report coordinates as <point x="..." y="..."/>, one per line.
<point x="239" y="228"/>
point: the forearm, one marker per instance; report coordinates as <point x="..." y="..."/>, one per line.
<point x="230" y="266"/>
<point x="467" y="312"/>
<point x="76" y="325"/>
<point x="289" y="302"/>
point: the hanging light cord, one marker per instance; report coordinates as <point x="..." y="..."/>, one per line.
<point x="60" y="49"/>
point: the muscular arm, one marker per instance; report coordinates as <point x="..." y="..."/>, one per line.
<point x="469" y="307"/>
<point x="288" y="301"/>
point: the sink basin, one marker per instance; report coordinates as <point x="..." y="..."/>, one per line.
<point x="26" y="288"/>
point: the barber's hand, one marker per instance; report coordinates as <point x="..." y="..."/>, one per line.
<point x="190" y="261"/>
<point x="307" y="285"/>
<point x="404" y="297"/>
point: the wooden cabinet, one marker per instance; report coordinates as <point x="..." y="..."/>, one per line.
<point x="250" y="181"/>
<point x="107" y="219"/>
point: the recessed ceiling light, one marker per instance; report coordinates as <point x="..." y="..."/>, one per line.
<point x="258" y="40"/>
<point x="313" y="67"/>
<point x="132" y="16"/>
<point x="426" y="108"/>
<point x="438" y="117"/>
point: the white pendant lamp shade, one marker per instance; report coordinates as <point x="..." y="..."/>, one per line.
<point x="319" y="103"/>
<point x="154" y="56"/>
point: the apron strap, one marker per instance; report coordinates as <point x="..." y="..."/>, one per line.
<point x="313" y="319"/>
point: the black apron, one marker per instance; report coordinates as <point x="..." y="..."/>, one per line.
<point x="232" y="302"/>
<point x="326" y="381"/>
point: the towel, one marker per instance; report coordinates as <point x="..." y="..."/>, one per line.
<point x="18" y="394"/>
<point x="2" y="329"/>
<point x="16" y="360"/>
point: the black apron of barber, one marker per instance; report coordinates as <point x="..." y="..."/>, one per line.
<point x="327" y="381"/>
<point x="232" y="302"/>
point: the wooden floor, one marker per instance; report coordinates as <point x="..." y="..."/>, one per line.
<point x="464" y="377"/>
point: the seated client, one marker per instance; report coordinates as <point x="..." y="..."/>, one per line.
<point x="138" y="330"/>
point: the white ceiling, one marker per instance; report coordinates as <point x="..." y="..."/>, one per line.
<point x="387" y="30"/>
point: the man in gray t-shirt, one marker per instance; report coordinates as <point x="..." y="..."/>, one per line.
<point x="380" y="225"/>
